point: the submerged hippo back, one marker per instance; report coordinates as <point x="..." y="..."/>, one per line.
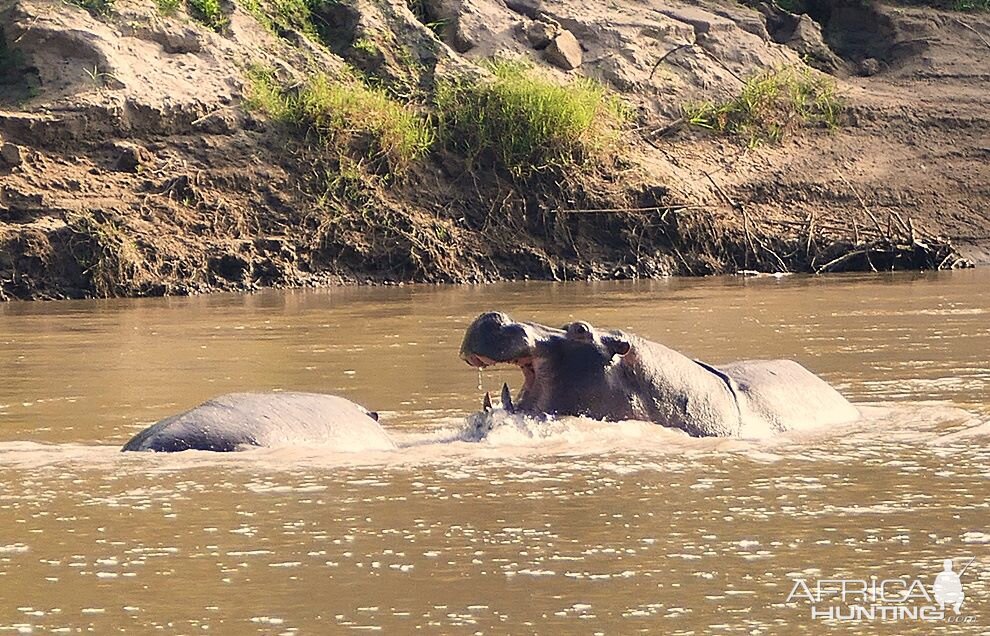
<point x="236" y="420"/>
<point x="781" y="395"/>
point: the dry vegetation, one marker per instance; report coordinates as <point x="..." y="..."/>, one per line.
<point x="771" y="105"/>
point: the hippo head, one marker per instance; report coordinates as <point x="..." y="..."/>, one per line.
<point x="566" y="371"/>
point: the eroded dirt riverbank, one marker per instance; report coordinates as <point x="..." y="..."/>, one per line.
<point x="133" y="167"/>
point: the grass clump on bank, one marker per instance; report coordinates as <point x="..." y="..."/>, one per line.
<point x="527" y="124"/>
<point x="349" y="118"/>
<point x="771" y="105"/>
<point x="951" y="5"/>
<point x="109" y="257"/>
<point x="95" y="7"/>
<point x="209" y="13"/>
<point x="168" y="7"/>
<point x="423" y="12"/>
<point x="283" y="16"/>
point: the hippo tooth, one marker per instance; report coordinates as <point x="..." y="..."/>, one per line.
<point x="486" y="404"/>
<point x="506" y="397"/>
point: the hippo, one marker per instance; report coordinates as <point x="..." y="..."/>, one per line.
<point x="615" y="376"/>
<point x="241" y="420"/>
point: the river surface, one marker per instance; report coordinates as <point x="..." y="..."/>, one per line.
<point x="558" y="527"/>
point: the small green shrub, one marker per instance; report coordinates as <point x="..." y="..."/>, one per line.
<point x="423" y="13"/>
<point x="282" y="16"/>
<point x="209" y="13"/>
<point x="265" y="94"/>
<point x="802" y="6"/>
<point x="109" y="257"/>
<point x="95" y="7"/>
<point x="770" y="105"/>
<point x="525" y="123"/>
<point x="167" y="7"/>
<point x="951" y="5"/>
<point x="348" y="118"/>
<point x="366" y="45"/>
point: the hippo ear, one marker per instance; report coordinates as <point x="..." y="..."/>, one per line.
<point x="617" y="345"/>
<point x="373" y="415"/>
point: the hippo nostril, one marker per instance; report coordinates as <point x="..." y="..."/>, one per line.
<point x="578" y="330"/>
<point x="495" y="317"/>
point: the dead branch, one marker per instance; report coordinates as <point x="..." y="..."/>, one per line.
<point x="655" y="208"/>
<point x="848" y="256"/>
<point x="866" y="208"/>
<point x="978" y="34"/>
<point x="811" y="230"/>
<point x="740" y="208"/>
<point x="908" y="230"/>
<point x="668" y="54"/>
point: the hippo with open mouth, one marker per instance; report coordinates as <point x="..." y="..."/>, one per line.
<point x="611" y="375"/>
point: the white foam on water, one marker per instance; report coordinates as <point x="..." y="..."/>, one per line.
<point x="513" y="437"/>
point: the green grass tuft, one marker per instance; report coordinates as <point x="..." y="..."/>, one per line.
<point x="421" y="9"/>
<point x="802" y="6"/>
<point x="95" y="7"/>
<point x="951" y="5"/>
<point x="771" y="105"/>
<point x="168" y="7"/>
<point x="108" y="255"/>
<point x="283" y="16"/>
<point x="527" y="124"/>
<point x="209" y="13"/>
<point x="366" y="46"/>
<point x="348" y="118"/>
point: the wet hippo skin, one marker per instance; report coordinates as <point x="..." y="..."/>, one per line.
<point x="241" y="420"/>
<point x="611" y="375"/>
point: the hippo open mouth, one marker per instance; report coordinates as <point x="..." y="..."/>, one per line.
<point x="563" y="369"/>
<point x="524" y="363"/>
<point x="493" y="338"/>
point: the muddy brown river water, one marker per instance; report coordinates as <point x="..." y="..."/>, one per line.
<point x="558" y="527"/>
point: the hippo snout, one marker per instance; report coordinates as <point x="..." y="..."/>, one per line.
<point x="494" y="337"/>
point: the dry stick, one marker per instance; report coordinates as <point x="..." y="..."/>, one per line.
<point x="681" y="256"/>
<point x="909" y="231"/>
<point x="210" y="114"/>
<point x="978" y="34"/>
<point x="660" y="132"/>
<point x="820" y="226"/>
<point x="780" y="261"/>
<point x="657" y="208"/>
<point x="866" y="209"/>
<point x="669" y="53"/>
<point x="842" y="259"/>
<point x="869" y="261"/>
<point x="724" y="67"/>
<point x="962" y="237"/>
<point x="811" y="229"/>
<point x="737" y="206"/>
